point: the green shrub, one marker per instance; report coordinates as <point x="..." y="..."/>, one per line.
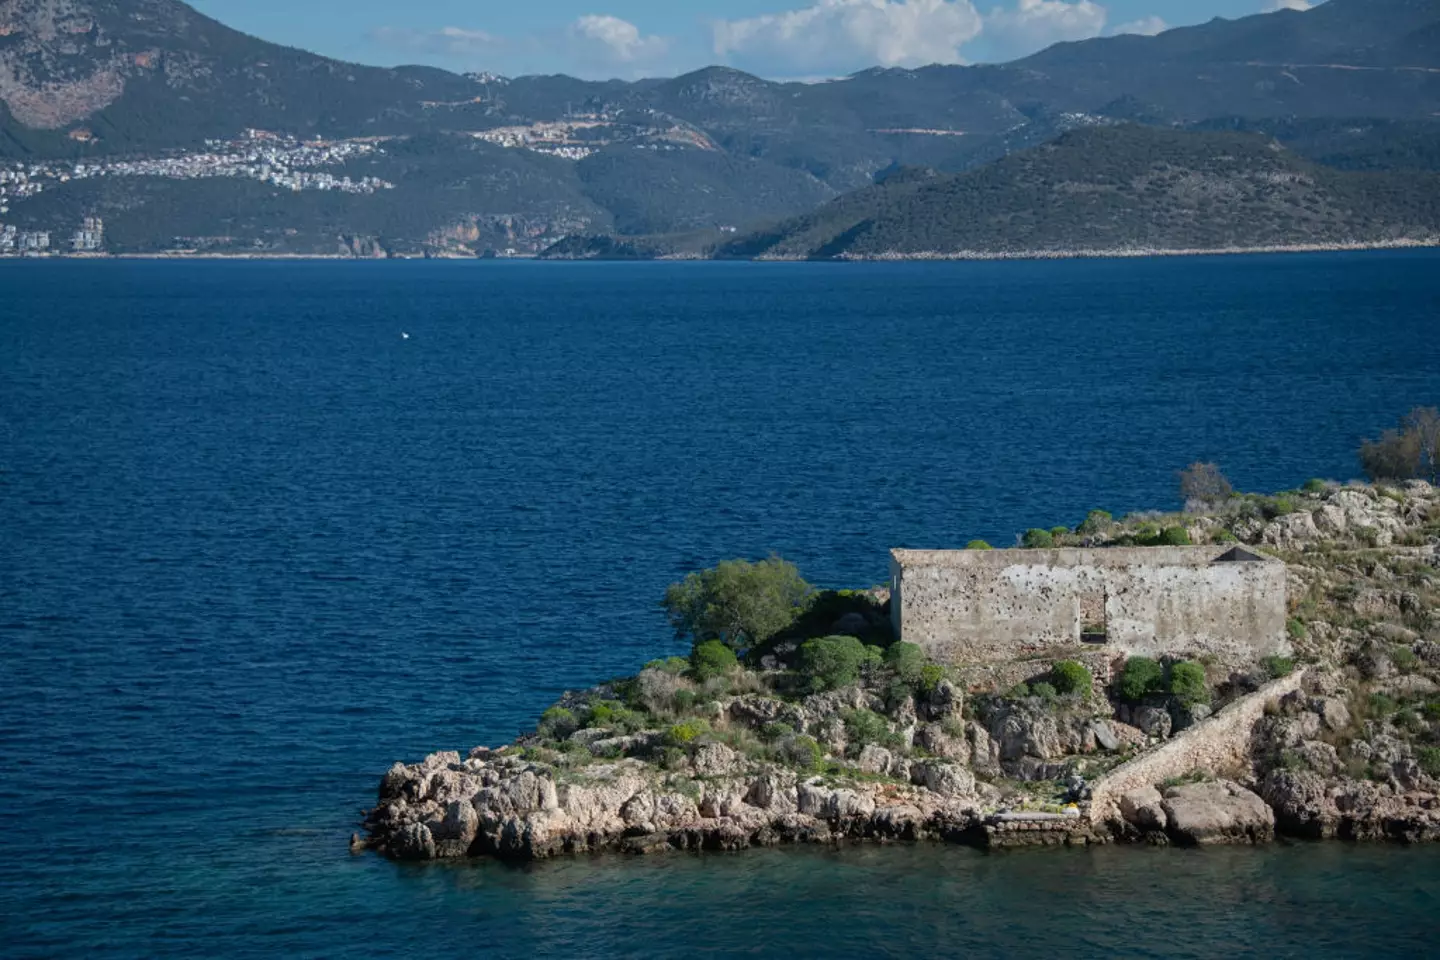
<point x="1018" y="692"/>
<point x="1188" y="684"/>
<point x="1296" y="628"/>
<point x="612" y="714"/>
<point x="1280" y="506"/>
<point x="1409" y="720"/>
<point x="1043" y="690"/>
<point x="671" y="665"/>
<point x="739" y="603"/>
<point x="1059" y="532"/>
<point x="978" y="545"/>
<point x="712" y="659"/>
<point x="1147" y="534"/>
<point x="1096" y="521"/>
<point x="1278" y="667"/>
<point x="1140" y="678"/>
<point x="802" y="752"/>
<point x="833" y="662"/>
<point x="1071" y="678"/>
<point x="1404" y="659"/>
<point x="1382" y="705"/>
<point x="685" y="733"/>
<point x="1429" y="760"/>
<point x="930" y="676"/>
<point x="1432" y="710"/>
<point x="776" y="731"/>
<point x="866" y="727"/>
<point x="1174" y="537"/>
<point x="685" y="700"/>
<point x="1315" y="485"/>
<point x="557" y="723"/>
<point x="907" y="660"/>
<point x="1224" y="536"/>
<point x="1037" y="540"/>
<point x="674" y="758"/>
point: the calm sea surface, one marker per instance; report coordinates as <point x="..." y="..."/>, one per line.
<point x="255" y="545"/>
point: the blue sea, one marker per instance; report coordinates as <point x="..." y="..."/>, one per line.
<point x="256" y="544"/>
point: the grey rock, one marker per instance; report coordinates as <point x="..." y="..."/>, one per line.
<point x="1154" y="721"/>
<point x="1217" y="812"/>
<point x="816" y="800"/>
<point x="984" y="753"/>
<point x="774" y="790"/>
<point x="1105" y="735"/>
<point x="1332" y="712"/>
<point x="413" y="842"/>
<point x="454" y="834"/>
<point x="1145" y="809"/>
<point x="945" y="779"/>
<point x="933" y="738"/>
<point x="716" y="760"/>
<point x="874" y="759"/>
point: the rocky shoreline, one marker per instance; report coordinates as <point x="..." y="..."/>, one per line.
<point x="1345" y="745"/>
<point x="1116" y="253"/>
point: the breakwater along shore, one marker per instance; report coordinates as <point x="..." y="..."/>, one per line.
<point x="1265" y="665"/>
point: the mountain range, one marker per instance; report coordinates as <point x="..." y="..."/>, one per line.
<point x="180" y="132"/>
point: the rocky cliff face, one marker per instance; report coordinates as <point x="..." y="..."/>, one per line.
<point x="182" y="76"/>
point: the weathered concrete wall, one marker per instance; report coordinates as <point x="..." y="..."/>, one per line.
<point x="983" y="606"/>
<point x="1215" y="744"/>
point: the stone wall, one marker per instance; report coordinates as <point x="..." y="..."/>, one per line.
<point x="995" y="606"/>
<point x="1215" y="744"/>
<point x="1000" y="677"/>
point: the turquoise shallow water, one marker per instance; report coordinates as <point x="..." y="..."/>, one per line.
<point x="256" y="546"/>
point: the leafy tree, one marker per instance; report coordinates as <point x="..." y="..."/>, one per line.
<point x="1037" y="540"/>
<point x="1096" y="521"/>
<point x="1204" y="483"/>
<point x="1140" y="678"/>
<point x="712" y="659"/>
<point x="737" y="602"/>
<point x="1409" y="452"/>
<point x="1424" y="423"/>
<point x="834" y="662"/>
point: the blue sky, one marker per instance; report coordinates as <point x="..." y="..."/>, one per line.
<point x="632" y="38"/>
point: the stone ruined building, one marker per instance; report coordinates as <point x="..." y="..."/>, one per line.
<point x="992" y="607"/>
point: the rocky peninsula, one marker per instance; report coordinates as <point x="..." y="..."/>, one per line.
<point x="827" y="729"/>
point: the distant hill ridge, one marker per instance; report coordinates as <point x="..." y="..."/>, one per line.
<point x="1115" y="188"/>
<point x="700" y="157"/>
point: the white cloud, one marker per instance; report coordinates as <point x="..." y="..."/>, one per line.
<point x="1034" y="24"/>
<point x="1145" y="27"/>
<point x="836" y="36"/>
<point x="1274" y="5"/>
<point x="447" y="41"/>
<point x="612" y="40"/>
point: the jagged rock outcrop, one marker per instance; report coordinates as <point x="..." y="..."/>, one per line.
<point x="499" y="804"/>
